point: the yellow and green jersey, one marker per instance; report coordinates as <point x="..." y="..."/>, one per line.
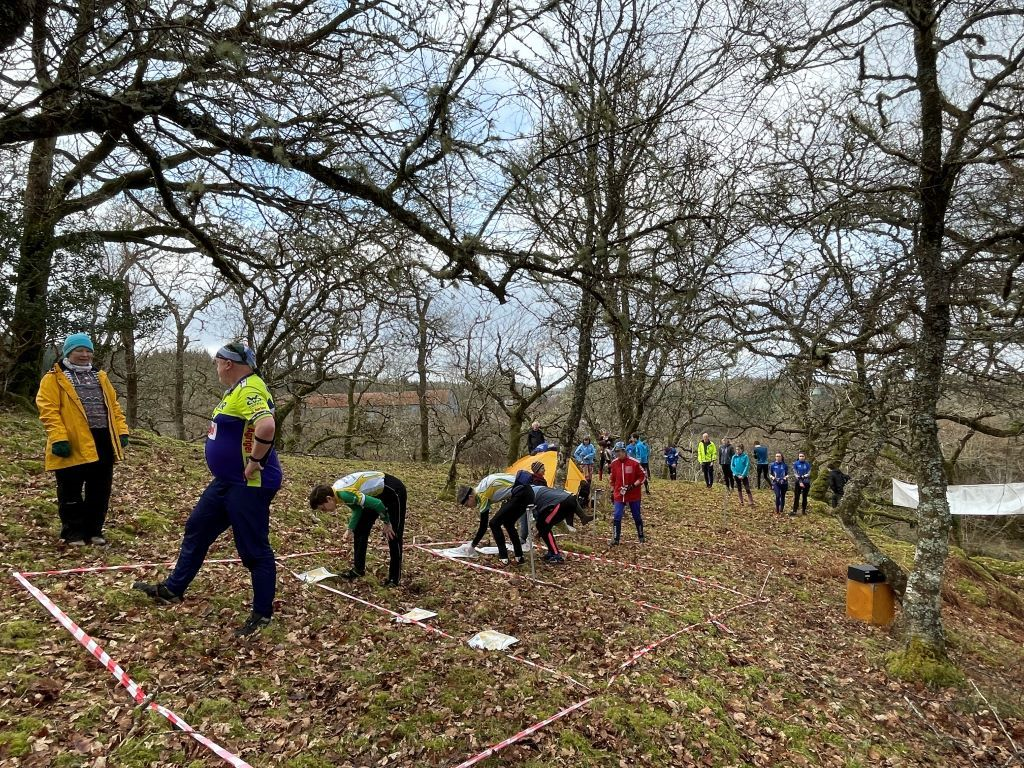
<point x="493" y="488"/>
<point x="360" y="491"/>
<point x="231" y="434"/>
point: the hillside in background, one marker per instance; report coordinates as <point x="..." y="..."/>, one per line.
<point x="721" y="642"/>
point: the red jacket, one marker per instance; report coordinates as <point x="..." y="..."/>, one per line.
<point x="628" y="472"/>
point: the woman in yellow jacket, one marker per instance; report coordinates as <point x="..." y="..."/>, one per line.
<point x="85" y="434"/>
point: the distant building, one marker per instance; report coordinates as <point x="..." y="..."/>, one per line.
<point x="382" y="404"/>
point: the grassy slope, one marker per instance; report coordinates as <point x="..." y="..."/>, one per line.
<point x="332" y="683"/>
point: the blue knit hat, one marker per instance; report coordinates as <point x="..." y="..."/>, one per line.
<point x="76" y="340"/>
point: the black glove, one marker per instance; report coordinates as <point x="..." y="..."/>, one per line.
<point x="61" y="448"/>
<point x="124" y="441"/>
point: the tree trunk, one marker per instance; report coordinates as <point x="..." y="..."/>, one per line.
<point x="922" y="606"/>
<point x="580" y="384"/>
<point x="178" y="398"/>
<point x="515" y="434"/>
<point x="350" y="420"/>
<point x="131" y="368"/>
<point x="35" y="259"/>
<point x="421" y="378"/>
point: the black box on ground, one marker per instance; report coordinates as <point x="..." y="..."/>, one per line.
<point x="866" y="574"/>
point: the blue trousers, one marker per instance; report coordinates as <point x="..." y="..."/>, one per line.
<point x="246" y="511"/>
<point x="618" y="508"/>
<point x="780" y="496"/>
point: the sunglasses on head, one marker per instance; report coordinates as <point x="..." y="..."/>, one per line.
<point x="237" y="353"/>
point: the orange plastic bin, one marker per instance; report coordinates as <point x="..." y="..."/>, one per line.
<point x="868" y="597"/>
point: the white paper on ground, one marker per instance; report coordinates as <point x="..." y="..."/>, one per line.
<point x="461" y="551"/>
<point x="416" y="614"/>
<point x="491" y="640"/>
<point x="467" y="551"/>
<point x="316" y="575"/>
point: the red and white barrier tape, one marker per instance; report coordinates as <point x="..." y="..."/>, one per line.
<point x="711" y="620"/>
<point x="522" y="734"/>
<point x="652" y="545"/>
<point x="137" y="566"/>
<point x="380" y="608"/>
<point x="133" y="689"/>
<point x="635" y="567"/>
<point x="506" y="574"/>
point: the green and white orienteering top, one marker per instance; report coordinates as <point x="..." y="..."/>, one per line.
<point x="492" y="488"/>
<point x="360" y="491"/>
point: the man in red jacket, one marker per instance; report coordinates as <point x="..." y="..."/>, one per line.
<point x="627" y="479"/>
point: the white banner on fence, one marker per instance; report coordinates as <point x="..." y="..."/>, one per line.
<point x="1005" y="499"/>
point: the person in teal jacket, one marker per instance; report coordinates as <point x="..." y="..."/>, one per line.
<point x="643" y="455"/>
<point x="740" y="466"/>
<point x="585" y="454"/>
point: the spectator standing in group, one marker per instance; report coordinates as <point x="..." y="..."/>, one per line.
<point x="671" y="460"/>
<point x="837" y="483"/>
<point x="740" y="470"/>
<point x="585" y="454"/>
<point x="627" y="478"/>
<point x="534" y="438"/>
<point x="643" y="455"/>
<point x="725" y="454"/>
<point x="801" y="483"/>
<point x="246" y="477"/>
<point x="631" y="446"/>
<point x="707" y="455"/>
<point x="86" y="433"/>
<point x="604" y="447"/>
<point x="761" y="460"/>
<point x="778" y="471"/>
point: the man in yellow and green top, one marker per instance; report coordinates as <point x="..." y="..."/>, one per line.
<point x="493" y="488"/>
<point x="246" y="476"/>
<point x="369" y="495"/>
<point x="707" y="455"/>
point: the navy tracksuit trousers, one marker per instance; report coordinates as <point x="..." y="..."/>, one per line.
<point x="246" y="511"/>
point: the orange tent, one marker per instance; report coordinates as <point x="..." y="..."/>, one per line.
<point x="574" y="475"/>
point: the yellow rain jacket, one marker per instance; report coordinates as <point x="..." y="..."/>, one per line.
<point x="63" y="415"/>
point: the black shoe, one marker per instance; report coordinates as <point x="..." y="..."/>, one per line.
<point x="614" y="542"/>
<point x="390" y="584"/>
<point x="585" y="518"/>
<point x="254" y="623"/>
<point x="351" y="574"/>
<point x="158" y="592"/>
<point x="519" y="561"/>
<point x="642" y="539"/>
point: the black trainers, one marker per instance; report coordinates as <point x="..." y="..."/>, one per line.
<point x="614" y="542"/>
<point x="254" y="623"/>
<point x="390" y="584"/>
<point x="641" y="537"/>
<point x="158" y="592"/>
<point x="351" y="574"/>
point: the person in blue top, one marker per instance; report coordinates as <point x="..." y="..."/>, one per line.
<point x="802" y="483"/>
<point x="739" y="465"/>
<point x="585" y="454"/>
<point x="631" y="446"/>
<point x="779" y="474"/>
<point x="761" y="459"/>
<point x="671" y="460"/>
<point x="246" y="476"/>
<point x="642" y="453"/>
